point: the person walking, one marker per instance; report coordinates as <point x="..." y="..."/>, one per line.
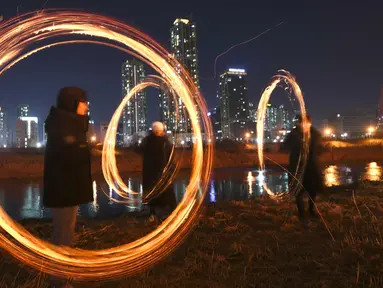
<point x="67" y="169"/>
<point x="156" y="149"/>
<point x="312" y="180"/>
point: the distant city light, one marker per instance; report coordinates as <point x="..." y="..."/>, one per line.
<point x="371" y="129"/>
<point x="247" y="135"/>
<point x="38" y="145"/>
<point x="209" y="114"/>
<point x="93" y="139"/>
<point x="185" y="21"/>
<point x="237" y="70"/>
<point x="327" y="132"/>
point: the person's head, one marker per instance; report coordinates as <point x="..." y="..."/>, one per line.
<point x="73" y="99"/>
<point x="158" y="128"/>
<point x="299" y="120"/>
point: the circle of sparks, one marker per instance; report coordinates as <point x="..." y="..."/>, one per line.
<point x="285" y="76"/>
<point x="109" y="164"/>
<point x="16" y="37"/>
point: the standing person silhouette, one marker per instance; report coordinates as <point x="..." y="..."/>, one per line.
<point x="67" y="171"/>
<point x="156" y="149"/>
<point x="312" y="180"/>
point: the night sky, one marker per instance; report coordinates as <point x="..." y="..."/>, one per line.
<point x="334" y="49"/>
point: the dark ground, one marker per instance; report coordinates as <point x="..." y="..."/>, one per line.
<point x="259" y="243"/>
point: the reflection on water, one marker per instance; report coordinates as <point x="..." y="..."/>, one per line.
<point x="250" y="180"/>
<point x="373" y="172"/>
<point x="23" y="200"/>
<point x="331" y="176"/>
<point x="338" y="175"/>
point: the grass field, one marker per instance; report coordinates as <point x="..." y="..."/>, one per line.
<point x="259" y="243"/>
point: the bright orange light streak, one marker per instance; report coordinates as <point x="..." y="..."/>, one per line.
<point x="261" y="115"/>
<point x="16" y="36"/>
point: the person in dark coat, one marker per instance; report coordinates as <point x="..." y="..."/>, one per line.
<point x="312" y="180"/>
<point x="156" y="149"/>
<point x="67" y="171"/>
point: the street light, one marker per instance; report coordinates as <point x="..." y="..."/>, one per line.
<point x="328" y="132"/>
<point x="93" y="139"/>
<point x="247" y="135"/>
<point x="371" y="129"/>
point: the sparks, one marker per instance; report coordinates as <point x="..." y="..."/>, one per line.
<point x="16" y="38"/>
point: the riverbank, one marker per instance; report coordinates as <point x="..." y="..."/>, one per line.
<point x="31" y="165"/>
<point x="259" y="243"/>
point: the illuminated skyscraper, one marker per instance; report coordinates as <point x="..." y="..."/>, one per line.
<point x="27" y="132"/>
<point x="3" y="129"/>
<point x="91" y="135"/>
<point x="234" y="103"/>
<point x="183" y="39"/>
<point x="134" y="117"/>
<point x="22" y="111"/>
<point x="184" y="46"/>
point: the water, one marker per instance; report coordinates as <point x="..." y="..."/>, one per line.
<point x="22" y="200"/>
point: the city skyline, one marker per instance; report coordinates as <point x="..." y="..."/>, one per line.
<point x="327" y="82"/>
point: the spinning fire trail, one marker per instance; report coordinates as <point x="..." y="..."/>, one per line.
<point x="284" y="76"/>
<point x="16" y="38"/>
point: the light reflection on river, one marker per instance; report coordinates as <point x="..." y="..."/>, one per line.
<point x="23" y="199"/>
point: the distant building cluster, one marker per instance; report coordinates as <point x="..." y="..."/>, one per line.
<point x="26" y="134"/>
<point x="235" y="117"/>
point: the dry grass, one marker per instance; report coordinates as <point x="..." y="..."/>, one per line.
<point x="258" y="243"/>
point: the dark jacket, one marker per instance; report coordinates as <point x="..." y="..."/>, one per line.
<point x="67" y="171"/>
<point x="312" y="177"/>
<point x="156" y="152"/>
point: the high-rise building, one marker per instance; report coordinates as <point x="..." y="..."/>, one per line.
<point x="134" y="117"/>
<point x="184" y="46"/>
<point x="252" y="112"/>
<point x="183" y="37"/>
<point x="215" y="118"/>
<point x="91" y="135"/>
<point x="22" y="111"/>
<point x="234" y="103"/>
<point x="278" y="118"/>
<point x="27" y="132"/>
<point x="278" y="121"/>
<point x="3" y="129"/>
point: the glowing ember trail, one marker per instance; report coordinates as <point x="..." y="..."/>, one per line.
<point x="109" y="165"/>
<point x="261" y="115"/>
<point x="16" y="37"/>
